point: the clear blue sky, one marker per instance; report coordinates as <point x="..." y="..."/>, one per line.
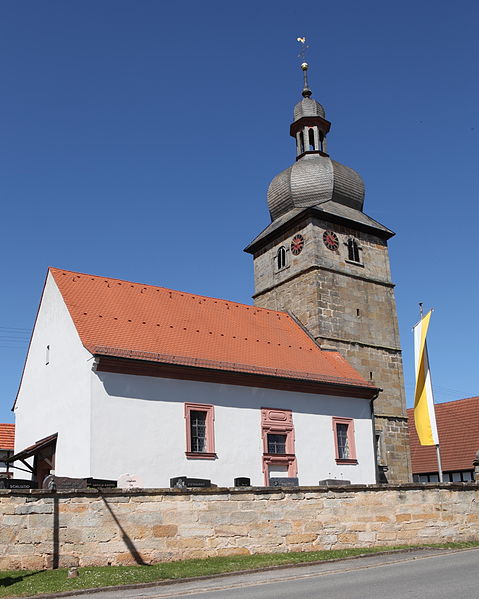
<point x="138" y="139"/>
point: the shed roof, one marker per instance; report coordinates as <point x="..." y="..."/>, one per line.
<point x="458" y="429"/>
<point x="125" y="319"/>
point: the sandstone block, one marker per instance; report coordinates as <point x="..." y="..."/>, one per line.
<point x="126" y="559"/>
<point x="403" y="517"/>
<point x="229" y="530"/>
<point x="86" y="560"/>
<point x="244" y="517"/>
<point x="64" y="560"/>
<point x="166" y="530"/>
<point x="347" y="538"/>
<point x="301" y="538"/>
<point x="388" y="535"/>
<point x="233" y="551"/>
<point x="191" y="543"/>
<point x="11" y="562"/>
<point x="72" y="508"/>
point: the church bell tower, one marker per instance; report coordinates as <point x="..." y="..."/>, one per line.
<point x="326" y="262"/>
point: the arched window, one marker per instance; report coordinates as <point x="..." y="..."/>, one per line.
<point x="301" y="142"/>
<point x="321" y="140"/>
<point x="281" y="258"/>
<point x="311" y="140"/>
<point x="353" y="250"/>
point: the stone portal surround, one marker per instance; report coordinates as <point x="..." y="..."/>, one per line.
<point x="41" y="529"/>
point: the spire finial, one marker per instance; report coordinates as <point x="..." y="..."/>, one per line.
<point x="306" y="93"/>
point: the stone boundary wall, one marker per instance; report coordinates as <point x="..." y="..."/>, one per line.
<point x="44" y="529"/>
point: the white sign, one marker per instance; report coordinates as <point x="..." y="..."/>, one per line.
<point x="130" y="481"/>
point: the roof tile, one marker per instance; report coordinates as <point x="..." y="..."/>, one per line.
<point x="120" y="317"/>
<point x="7" y="436"/>
<point x="458" y="429"/>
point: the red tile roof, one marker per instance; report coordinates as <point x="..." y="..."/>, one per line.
<point x="7" y="436"/>
<point x="458" y="428"/>
<point x="121" y="318"/>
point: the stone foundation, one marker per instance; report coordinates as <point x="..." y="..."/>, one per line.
<point x="43" y="529"/>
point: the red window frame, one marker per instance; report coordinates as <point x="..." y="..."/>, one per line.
<point x="351" y="442"/>
<point x="278" y="422"/>
<point x="210" y="453"/>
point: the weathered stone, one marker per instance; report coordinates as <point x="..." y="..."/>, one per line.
<point x="348" y="306"/>
<point x="233" y="551"/>
<point x="301" y="538"/>
<point x="272" y="522"/>
<point x="193" y="542"/>
<point x="167" y="530"/>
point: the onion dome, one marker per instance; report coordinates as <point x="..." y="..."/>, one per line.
<point x="308" y="107"/>
<point x="311" y="181"/>
<point x="314" y="178"/>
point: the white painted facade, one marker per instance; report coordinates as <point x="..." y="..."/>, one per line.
<point x="111" y="424"/>
<point x="56" y="397"/>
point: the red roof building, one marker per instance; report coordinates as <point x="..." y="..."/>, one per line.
<point x="458" y="429"/>
<point x="123" y="378"/>
<point x="7" y="436"/>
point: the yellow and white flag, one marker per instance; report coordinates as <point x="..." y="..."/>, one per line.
<point x="424" y="414"/>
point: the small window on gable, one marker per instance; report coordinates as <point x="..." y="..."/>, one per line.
<point x="200" y="439"/>
<point x="311" y="139"/>
<point x="281" y="258"/>
<point x="353" y="250"/>
<point x="345" y="446"/>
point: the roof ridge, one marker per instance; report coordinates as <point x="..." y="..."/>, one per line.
<point x="169" y="289"/>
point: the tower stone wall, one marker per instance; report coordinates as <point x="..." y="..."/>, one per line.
<point x="350" y="307"/>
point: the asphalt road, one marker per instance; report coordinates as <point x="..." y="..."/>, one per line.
<point x="425" y="574"/>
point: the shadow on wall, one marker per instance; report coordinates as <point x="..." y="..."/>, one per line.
<point x="157" y="389"/>
<point x="56" y="534"/>
<point x="135" y="554"/>
<point x="56" y="539"/>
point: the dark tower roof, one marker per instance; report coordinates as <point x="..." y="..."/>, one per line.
<point x="314" y="178"/>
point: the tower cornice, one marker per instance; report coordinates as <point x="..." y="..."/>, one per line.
<point x="279" y="226"/>
<point x="309" y="121"/>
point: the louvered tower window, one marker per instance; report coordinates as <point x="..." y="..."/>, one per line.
<point x="353" y="250"/>
<point x="281" y="257"/>
<point x="301" y="142"/>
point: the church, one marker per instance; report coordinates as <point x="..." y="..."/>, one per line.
<point x="124" y="379"/>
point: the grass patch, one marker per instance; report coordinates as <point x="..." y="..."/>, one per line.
<point x="29" y="583"/>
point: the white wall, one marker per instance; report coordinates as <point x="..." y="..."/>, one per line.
<point x="55" y="397"/>
<point x="138" y="427"/>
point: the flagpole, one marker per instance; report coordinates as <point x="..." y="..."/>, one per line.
<point x="438" y="453"/>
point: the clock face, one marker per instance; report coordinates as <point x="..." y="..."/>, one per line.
<point x="330" y="240"/>
<point x="297" y="244"/>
